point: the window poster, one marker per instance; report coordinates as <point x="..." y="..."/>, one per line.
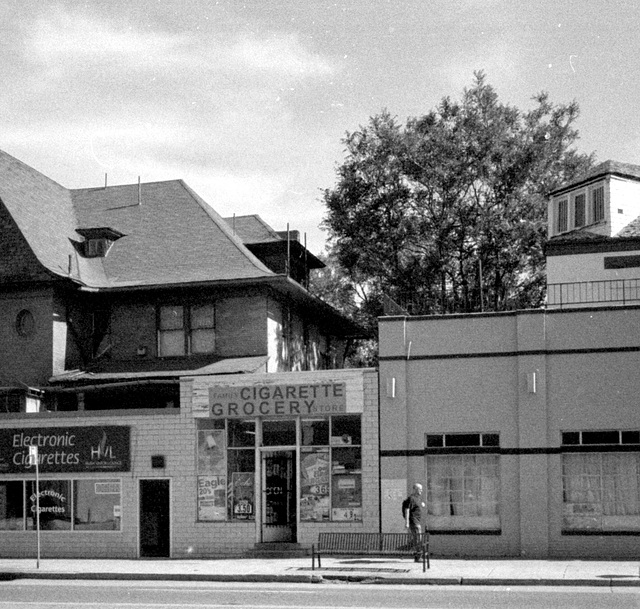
<point x="243" y="495"/>
<point x="314" y="478"/>
<point x="212" y="453"/>
<point x="347" y="498"/>
<point x="211" y="498"/>
<point x="53" y="501"/>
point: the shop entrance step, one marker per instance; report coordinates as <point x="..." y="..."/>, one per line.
<point x="279" y="550"/>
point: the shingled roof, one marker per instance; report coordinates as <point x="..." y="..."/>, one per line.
<point x="623" y="170"/>
<point x="252" y="229"/>
<point x="170" y="235"/>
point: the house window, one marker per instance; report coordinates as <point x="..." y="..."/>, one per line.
<point x="463" y="485"/>
<point x="186" y="330"/>
<point x="25" y="323"/>
<point x="597" y="203"/>
<point x="563" y="215"/>
<point x="601" y="481"/>
<point x="579" y="208"/>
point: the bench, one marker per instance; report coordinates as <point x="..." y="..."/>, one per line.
<point x="371" y="544"/>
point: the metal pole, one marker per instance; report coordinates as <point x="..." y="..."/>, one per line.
<point x="33" y="455"/>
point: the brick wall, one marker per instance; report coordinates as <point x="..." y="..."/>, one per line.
<point x="26" y="359"/>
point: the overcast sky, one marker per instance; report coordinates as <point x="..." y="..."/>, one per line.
<point x="248" y="101"/>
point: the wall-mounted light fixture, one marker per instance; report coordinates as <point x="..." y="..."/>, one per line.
<point x="391" y="387"/>
<point x="531" y="382"/>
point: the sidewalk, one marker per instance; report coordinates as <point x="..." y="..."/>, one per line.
<point x="363" y="570"/>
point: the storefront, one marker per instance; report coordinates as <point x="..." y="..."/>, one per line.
<point x="288" y="454"/>
<point x="245" y="460"/>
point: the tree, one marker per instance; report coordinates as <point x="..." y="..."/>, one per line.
<point x="447" y="213"/>
<point x="346" y="294"/>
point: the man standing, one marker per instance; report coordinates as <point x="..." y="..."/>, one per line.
<point x="412" y="507"/>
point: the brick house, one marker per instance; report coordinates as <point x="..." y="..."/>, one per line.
<point x="122" y="309"/>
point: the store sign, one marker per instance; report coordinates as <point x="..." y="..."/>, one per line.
<point x="66" y="449"/>
<point x="277" y="400"/>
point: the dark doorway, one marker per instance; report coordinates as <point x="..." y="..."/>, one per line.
<point x="279" y="496"/>
<point x="155" y="519"/>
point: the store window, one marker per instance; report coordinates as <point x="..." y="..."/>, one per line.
<point x="315" y="503"/>
<point x="463" y="486"/>
<point x="346" y="468"/>
<point x="54" y="499"/>
<point x="241" y="470"/>
<point x="212" y="470"/>
<point x="226" y="470"/>
<point x="330" y="466"/>
<point x="601" y="485"/>
<point x="96" y="505"/>
<point x="65" y="505"/>
<point x="12" y="505"/>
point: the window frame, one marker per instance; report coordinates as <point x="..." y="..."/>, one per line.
<point x="597" y="208"/>
<point x="562" y="215"/>
<point x="594" y="489"/>
<point x="72" y="482"/>
<point x="579" y="199"/>
<point x="475" y="454"/>
<point x="187" y="328"/>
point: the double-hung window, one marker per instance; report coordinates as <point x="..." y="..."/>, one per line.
<point x="463" y="482"/>
<point x="563" y="216"/>
<point x="186" y="330"/>
<point x="597" y="203"/>
<point x="601" y="481"/>
<point x="579" y="210"/>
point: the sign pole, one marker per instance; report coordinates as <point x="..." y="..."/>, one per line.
<point x="33" y="455"/>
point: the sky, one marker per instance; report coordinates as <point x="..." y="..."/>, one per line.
<point x="248" y="102"/>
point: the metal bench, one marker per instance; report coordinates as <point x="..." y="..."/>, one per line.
<point x="371" y="544"/>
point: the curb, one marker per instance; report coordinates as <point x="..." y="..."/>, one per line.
<point x="318" y="579"/>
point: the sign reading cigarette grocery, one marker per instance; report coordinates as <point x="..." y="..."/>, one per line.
<point x="277" y="400"/>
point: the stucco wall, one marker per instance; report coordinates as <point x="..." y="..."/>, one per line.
<point x="527" y="376"/>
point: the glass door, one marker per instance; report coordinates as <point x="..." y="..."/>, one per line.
<point x="279" y="495"/>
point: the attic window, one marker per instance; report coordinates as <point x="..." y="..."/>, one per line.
<point x="96" y="248"/>
<point x="98" y="241"/>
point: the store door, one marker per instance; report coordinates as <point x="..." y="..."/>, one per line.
<point x="155" y="519"/>
<point x="278" y="496"/>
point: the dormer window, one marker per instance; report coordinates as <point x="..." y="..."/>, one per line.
<point x="98" y="241"/>
<point x="96" y="248"/>
<point x="597" y="202"/>
<point x="579" y="209"/>
<point x="563" y="215"/>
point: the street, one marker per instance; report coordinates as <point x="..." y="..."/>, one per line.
<point x="50" y="594"/>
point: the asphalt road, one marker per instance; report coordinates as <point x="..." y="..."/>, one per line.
<point x="42" y="594"/>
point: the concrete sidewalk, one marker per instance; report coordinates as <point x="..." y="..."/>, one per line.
<point x="363" y="570"/>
